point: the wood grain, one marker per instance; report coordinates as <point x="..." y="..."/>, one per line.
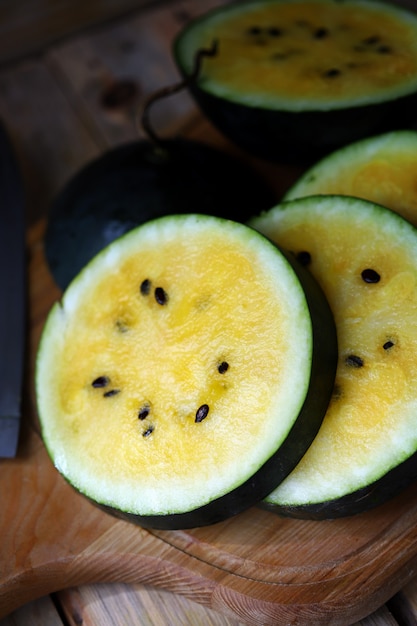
<point x="119" y="604"/>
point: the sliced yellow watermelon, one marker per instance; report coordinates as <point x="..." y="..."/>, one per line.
<point x="291" y="79"/>
<point x="365" y="258"/>
<point x="185" y="372"/>
<point x="381" y="169"/>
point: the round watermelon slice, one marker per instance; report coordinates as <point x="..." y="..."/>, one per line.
<point x="185" y="372"/>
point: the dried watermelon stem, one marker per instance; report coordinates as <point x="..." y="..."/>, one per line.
<point x="173" y="89"/>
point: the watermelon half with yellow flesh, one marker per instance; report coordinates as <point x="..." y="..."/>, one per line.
<point x="365" y="258"/>
<point x="184" y="372"/>
<point x="293" y="79"/>
<point x="381" y="169"/>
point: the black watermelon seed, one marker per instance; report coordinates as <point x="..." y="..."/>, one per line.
<point x="223" y="367"/>
<point x="354" y="361"/>
<point x="254" y="30"/>
<point x="201" y="413"/>
<point x="101" y="381"/>
<point x="112" y="392"/>
<point x="320" y="33"/>
<point x="384" y="49"/>
<point x="333" y="72"/>
<point x="388" y="344"/>
<point x="145" y="287"/>
<point x="304" y="258"/>
<point x="148" y="431"/>
<point x="370" y="276"/>
<point x="143" y="412"/>
<point x="274" y="31"/>
<point x="161" y="296"/>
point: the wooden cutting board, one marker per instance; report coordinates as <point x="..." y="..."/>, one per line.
<point x="257" y="567"/>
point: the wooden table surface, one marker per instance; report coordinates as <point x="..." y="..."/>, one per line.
<point x="54" y="79"/>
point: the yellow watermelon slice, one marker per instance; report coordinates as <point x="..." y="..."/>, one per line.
<point x="185" y="371"/>
<point x="294" y="79"/>
<point x="365" y="258"/>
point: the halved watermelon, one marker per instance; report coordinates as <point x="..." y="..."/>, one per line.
<point x="381" y="169"/>
<point x="365" y="258"/>
<point x="293" y="79"/>
<point x="185" y="371"/>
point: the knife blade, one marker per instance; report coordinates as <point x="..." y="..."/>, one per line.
<point x="12" y="296"/>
